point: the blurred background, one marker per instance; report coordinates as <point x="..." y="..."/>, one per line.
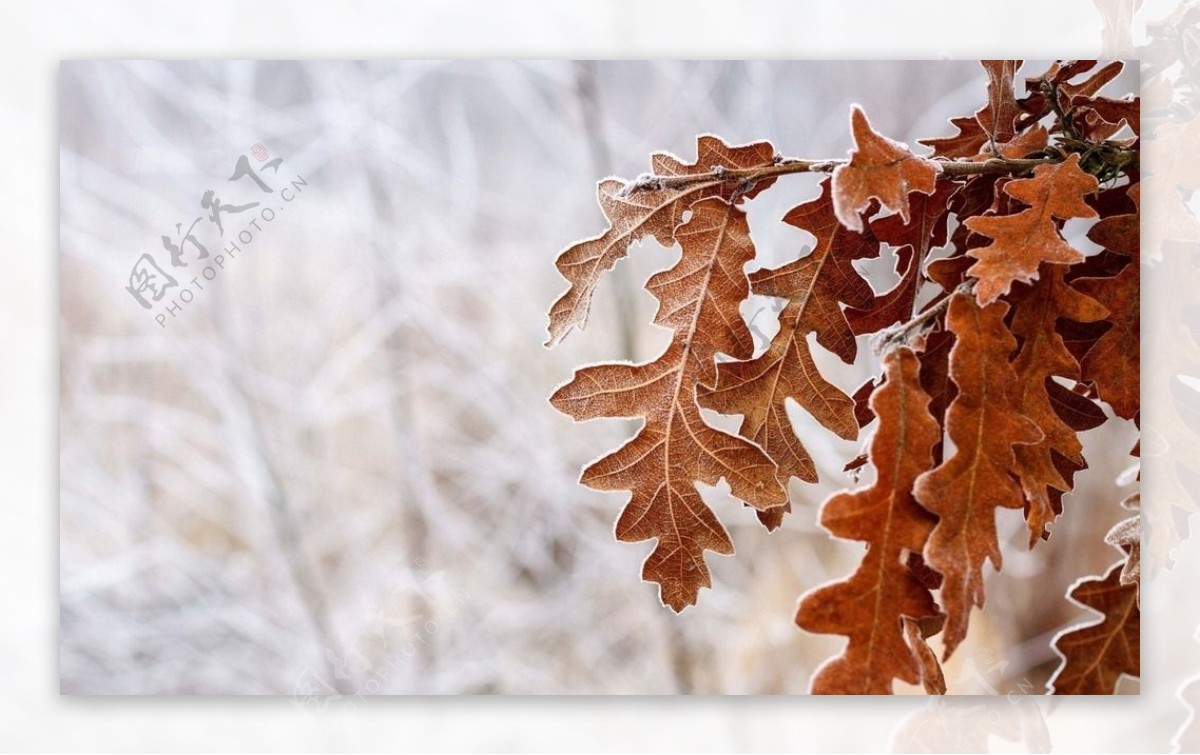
<point x="334" y="470"/>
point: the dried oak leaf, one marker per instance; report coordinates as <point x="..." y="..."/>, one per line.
<point x="675" y="448"/>
<point x="1095" y="655"/>
<point x="1043" y="356"/>
<point x="1113" y="363"/>
<point x="1023" y="241"/>
<point x="1038" y="102"/>
<point x="862" y="404"/>
<point x="648" y="211"/>
<point x="913" y="238"/>
<point x="969" y="140"/>
<point x="758" y="389"/>
<point x="998" y="117"/>
<point x="1069" y="92"/>
<point x="1059" y="71"/>
<point x="972" y="143"/>
<point x="1101" y="118"/>
<point x="1121" y="233"/>
<point x="1090" y="116"/>
<point x="932" y="677"/>
<point x="994" y="124"/>
<point x="1126" y="536"/>
<point x="977" y="196"/>
<point x="870" y="606"/>
<point x="935" y="378"/>
<point x="984" y="424"/>
<point x="878" y="168"/>
<point x="1025" y="143"/>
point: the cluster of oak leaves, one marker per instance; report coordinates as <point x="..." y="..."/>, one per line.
<point x="1008" y="359"/>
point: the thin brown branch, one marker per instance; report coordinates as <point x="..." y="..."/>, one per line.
<point x="788" y="166"/>
<point x="748" y="176"/>
<point x="995" y="165"/>
<point x="903" y="334"/>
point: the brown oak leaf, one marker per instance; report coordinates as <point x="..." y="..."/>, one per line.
<point x="969" y="140"/>
<point x="870" y="606"/>
<point x="976" y="197"/>
<point x="1121" y="232"/>
<point x="932" y="677"/>
<point x="758" y="389"/>
<point x="1101" y="118"/>
<point x="1024" y="240"/>
<point x="1043" y="356"/>
<point x="998" y="116"/>
<point x="1023" y="144"/>
<point x="1092" y="84"/>
<point x="647" y="212"/>
<point x="878" y="168"/>
<point x="972" y="143"/>
<point x="1057" y="79"/>
<point x="1113" y="363"/>
<point x="675" y="448"/>
<point x="913" y="239"/>
<point x="964" y="491"/>
<point x="992" y="129"/>
<point x="1126" y="536"/>
<point x="862" y="403"/>
<point x="1096" y="655"/>
<point x="935" y="378"/>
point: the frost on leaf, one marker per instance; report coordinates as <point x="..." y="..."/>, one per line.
<point x="878" y="168"/>
<point x="964" y="491"/>
<point x="871" y="606"/>
<point x="1002" y="110"/>
<point x="1126" y="536"/>
<point x="815" y="286"/>
<point x="650" y="211"/>
<point x="1021" y="242"/>
<point x="698" y="300"/>
<point x="1096" y="655"/>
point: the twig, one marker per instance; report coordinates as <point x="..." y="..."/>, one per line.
<point x="902" y="334"/>
<point x="747" y="176"/>
<point x="953" y="169"/>
<point x="787" y="166"/>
